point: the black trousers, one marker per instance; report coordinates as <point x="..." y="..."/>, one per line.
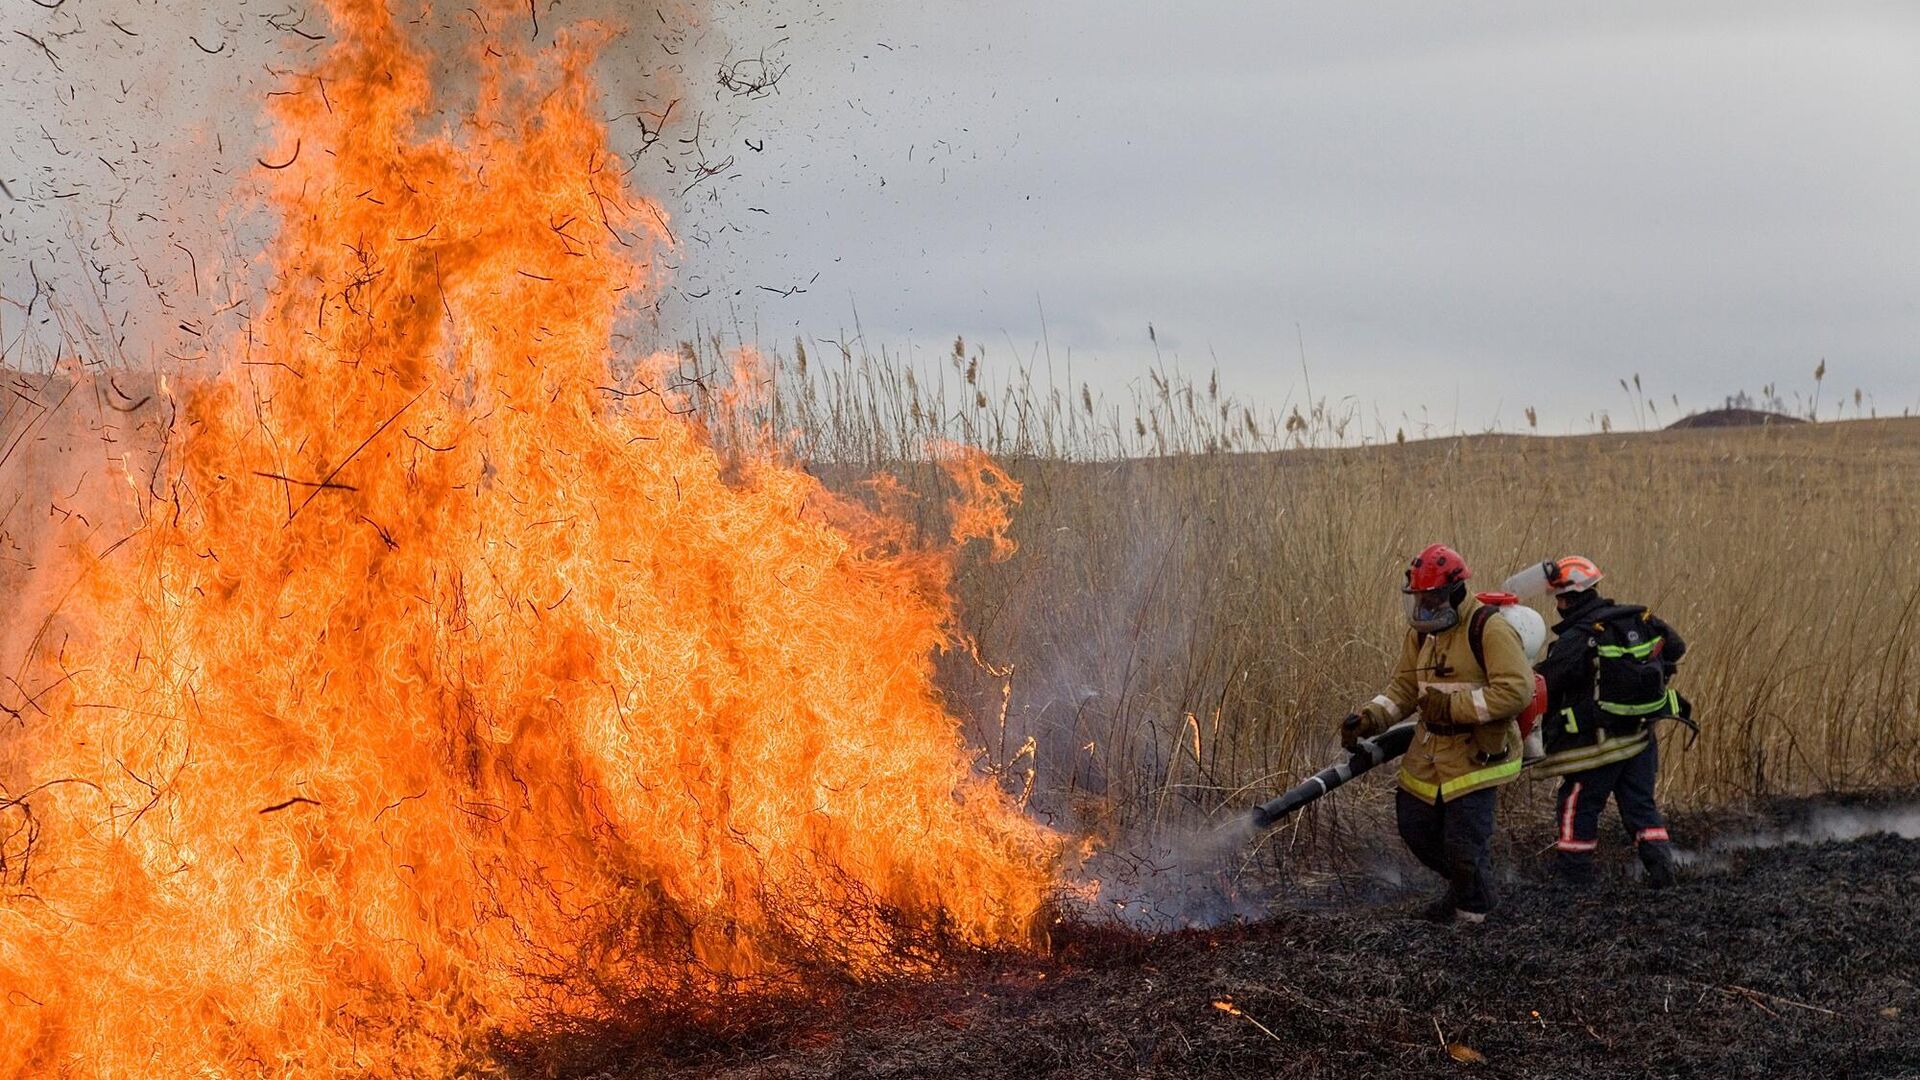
<point x="1454" y="838"/>
<point x="1583" y="795"/>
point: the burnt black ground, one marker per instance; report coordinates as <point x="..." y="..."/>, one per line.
<point x="1790" y="961"/>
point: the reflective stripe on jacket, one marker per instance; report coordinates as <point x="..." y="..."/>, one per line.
<point x="1593" y="755"/>
<point x="1599" y="702"/>
<point x="1439" y="767"/>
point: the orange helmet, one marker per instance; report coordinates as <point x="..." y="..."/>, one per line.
<point x="1571" y="573"/>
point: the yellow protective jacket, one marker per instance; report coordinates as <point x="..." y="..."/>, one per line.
<point x="1447" y="766"/>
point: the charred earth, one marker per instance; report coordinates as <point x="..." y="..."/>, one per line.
<point x="1794" y="959"/>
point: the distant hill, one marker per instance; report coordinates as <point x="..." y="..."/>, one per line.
<point x="1717" y="418"/>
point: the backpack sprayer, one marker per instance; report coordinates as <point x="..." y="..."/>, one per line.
<point x="1394" y="741"/>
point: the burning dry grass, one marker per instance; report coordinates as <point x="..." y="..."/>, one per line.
<point x="434" y="672"/>
<point x="1176" y="633"/>
<point x="447" y="678"/>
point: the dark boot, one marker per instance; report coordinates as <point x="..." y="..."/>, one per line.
<point x="1442" y="909"/>
<point x="1658" y="858"/>
<point x="1576" y="868"/>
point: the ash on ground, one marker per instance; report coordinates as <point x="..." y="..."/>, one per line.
<point x="1795" y="958"/>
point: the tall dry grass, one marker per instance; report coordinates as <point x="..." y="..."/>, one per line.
<point x="1203" y="589"/>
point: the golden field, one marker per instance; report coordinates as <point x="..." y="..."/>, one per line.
<point x="1203" y="590"/>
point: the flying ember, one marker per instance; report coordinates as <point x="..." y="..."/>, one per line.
<point x="452" y="677"/>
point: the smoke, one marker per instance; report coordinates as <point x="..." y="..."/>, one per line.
<point x="1832" y="824"/>
<point x="1192" y="879"/>
<point x="73" y="445"/>
<point x="1086" y="692"/>
<point x="1208" y="876"/>
<point x="133" y="134"/>
<point x="1125" y="715"/>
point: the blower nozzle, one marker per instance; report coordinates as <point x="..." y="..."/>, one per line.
<point x="1367" y="753"/>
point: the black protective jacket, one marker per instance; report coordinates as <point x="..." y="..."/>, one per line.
<point x="1571" y="665"/>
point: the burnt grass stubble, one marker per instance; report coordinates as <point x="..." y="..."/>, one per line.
<point x="1799" y="960"/>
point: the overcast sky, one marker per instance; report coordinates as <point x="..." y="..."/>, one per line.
<point x="1462" y="208"/>
<point x="1472" y="207"/>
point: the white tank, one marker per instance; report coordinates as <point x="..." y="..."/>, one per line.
<point x="1532" y="627"/>
<point x="1528" y="623"/>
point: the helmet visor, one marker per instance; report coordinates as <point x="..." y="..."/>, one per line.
<point x="1431" y="610"/>
<point x="1534" y="581"/>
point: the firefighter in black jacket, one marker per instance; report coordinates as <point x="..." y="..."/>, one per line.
<point x="1607" y="673"/>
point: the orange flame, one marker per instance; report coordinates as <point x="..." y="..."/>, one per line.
<point x="452" y="678"/>
<point x="983" y="509"/>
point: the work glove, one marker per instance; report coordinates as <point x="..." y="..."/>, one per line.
<point x="1436" y="706"/>
<point x="1363" y="723"/>
<point x="1350" y="730"/>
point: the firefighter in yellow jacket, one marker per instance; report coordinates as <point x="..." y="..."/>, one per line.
<point x="1467" y="742"/>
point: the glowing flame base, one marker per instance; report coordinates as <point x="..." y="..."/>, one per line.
<point x="450" y="680"/>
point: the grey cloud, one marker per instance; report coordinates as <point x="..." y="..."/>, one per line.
<point x="1512" y="203"/>
<point x="1525" y="197"/>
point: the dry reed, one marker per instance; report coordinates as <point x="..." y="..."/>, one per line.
<point x="1203" y="589"/>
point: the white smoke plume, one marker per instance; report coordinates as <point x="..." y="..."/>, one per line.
<point x="1188" y="880"/>
<point x="1832" y="823"/>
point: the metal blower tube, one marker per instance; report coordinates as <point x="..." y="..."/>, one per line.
<point x="1385" y="746"/>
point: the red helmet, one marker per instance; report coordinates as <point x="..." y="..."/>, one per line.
<point x="1436" y="568"/>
